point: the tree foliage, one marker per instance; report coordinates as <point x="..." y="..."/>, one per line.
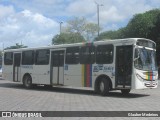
<point x="80" y="25"/>
<point x="91" y="31"/>
<point x="111" y="34"/>
<point x="66" y="38"/>
<point x="154" y="33"/>
<point x="17" y="46"/>
<point x="146" y="25"/>
<point x="78" y="29"/>
<point x="141" y="25"/>
<point x="76" y="25"/>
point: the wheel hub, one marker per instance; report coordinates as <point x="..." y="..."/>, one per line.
<point x="101" y="86"/>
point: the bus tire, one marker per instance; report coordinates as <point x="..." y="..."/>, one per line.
<point x="125" y="91"/>
<point x="27" y="81"/>
<point x="103" y="87"/>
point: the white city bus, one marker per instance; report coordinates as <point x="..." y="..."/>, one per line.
<point x="121" y="64"/>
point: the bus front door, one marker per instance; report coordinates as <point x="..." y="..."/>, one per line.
<point x="16" y="67"/>
<point x="57" y="67"/>
<point x="124" y="55"/>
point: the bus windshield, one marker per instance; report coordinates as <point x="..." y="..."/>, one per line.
<point x="145" y="59"/>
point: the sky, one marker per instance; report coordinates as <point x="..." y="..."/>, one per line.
<point x="34" y="22"/>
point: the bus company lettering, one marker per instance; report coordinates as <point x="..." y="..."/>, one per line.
<point x="108" y="69"/>
<point x="27" y="66"/>
<point x="104" y="68"/>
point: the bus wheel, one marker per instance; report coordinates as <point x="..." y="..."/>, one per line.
<point x="27" y="82"/>
<point x="125" y="91"/>
<point x="104" y="87"/>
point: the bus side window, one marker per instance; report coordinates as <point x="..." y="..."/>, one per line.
<point x="104" y="54"/>
<point x="8" y="58"/>
<point x="72" y="55"/>
<point x="28" y="57"/>
<point x="42" y="57"/>
<point x="87" y="55"/>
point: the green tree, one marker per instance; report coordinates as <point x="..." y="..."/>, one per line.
<point x="91" y="31"/>
<point x="144" y="25"/>
<point x="81" y="26"/>
<point x="76" y="25"/>
<point x="117" y="34"/>
<point x="155" y="31"/>
<point x="66" y="38"/>
<point x="77" y="30"/>
<point x="141" y="25"/>
<point x="17" y="46"/>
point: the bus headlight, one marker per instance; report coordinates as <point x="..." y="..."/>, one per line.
<point x="139" y="77"/>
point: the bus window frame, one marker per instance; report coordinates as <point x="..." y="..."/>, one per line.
<point x="98" y="57"/>
<point x="11" y="61"/>
<point x="47" y="57"/>
<point x="24" y="58"/>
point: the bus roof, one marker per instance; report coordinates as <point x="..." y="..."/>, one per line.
<point x="104" y="41"/>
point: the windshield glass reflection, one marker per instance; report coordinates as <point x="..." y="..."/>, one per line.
<point x="145" y="59"/>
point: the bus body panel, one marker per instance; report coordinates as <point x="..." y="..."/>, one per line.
<point x="73" y="75"/>
<point x="8" y="72"/>
<point x="106" y="70"/>
<point x="29" y="69"/>
<point x="42" y="73"/>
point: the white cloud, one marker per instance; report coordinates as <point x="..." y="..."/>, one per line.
<point x="50" y="8"/>
<point x="81" y="7"/>
<point x="111" y="15"/>
<point x="33" y="29"/>
<point x="33" y="22"/>
<point x="131" y="7"/>
<point x="87" y="8"/>
<point x="112" y="11"/>
<point x="6" y="10"/>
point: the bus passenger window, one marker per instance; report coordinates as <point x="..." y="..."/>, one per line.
<point x="87" y="55"/>
<point x="104" y="54"/>
<point x="28" y="57"/>
<point x="8" y="58"/>
<point x="42" y="57"/>
<point x="72" y="55"/>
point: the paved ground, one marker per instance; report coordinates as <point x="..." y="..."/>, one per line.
<point x="14" y="97"/>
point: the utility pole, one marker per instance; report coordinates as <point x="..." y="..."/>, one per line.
<point x="60" y="23"/>
<point x="98" y="14"/>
